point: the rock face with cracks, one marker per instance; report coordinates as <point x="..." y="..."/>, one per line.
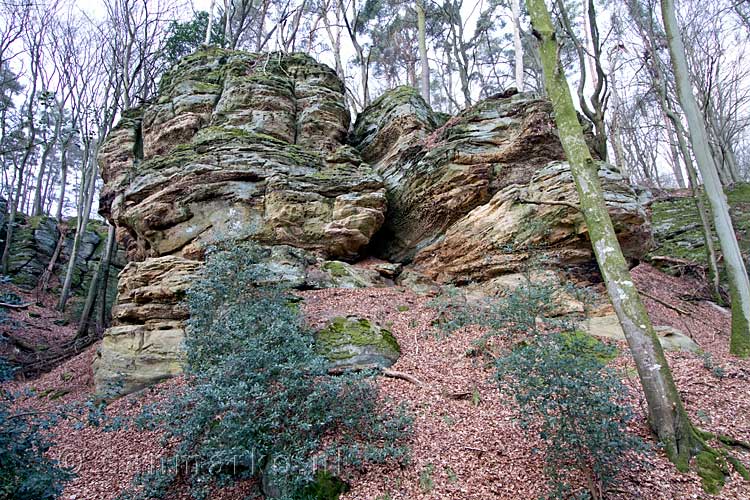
<point x="238" y="146"/>
<point x="467" y="199"/>
<point x="242" y="146"/>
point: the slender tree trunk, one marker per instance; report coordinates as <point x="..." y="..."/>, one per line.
<point x="36" y="207"/>
<point x="96" y="283"/>
<point x="425" y="64"/>
<point x="207" y="40"/>
<point x="63" y="180"/>
<point x="10" y="224"/>
<point x="590" y="49"/>
<point x="83" y="220"/>
<point x="614" y="126"/>
<point x="44" y="282"/>
<point x="667" y="414"/>
<point x="517" y="45"/>
<point x="102" y="319"/>
<point x="708" y="236"/>
<point x="673" y="150"/>
<point x="739" y="285"/>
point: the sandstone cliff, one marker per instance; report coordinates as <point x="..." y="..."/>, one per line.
<point x="244" y="146"/>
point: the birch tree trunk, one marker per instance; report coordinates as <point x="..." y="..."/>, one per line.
<point x="667" y="415"/>
<point x="517" y="45"/>
<point x="422" y="34"/>
<point x="739" y="285"/>
<point x="210" y="22"/>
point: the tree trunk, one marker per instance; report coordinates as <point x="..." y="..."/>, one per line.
<point x="63" y="180"/>
<point x="83" y="220"/>
<point x="10" y="224"/>
<point x="667" y="415"/>
<point x="708" y="234"/>
<point x="739" y="285"/>
<point x="673" y="150"/>
<point x="94" y="286"/>
<point x="614" y="126"/>
<point x="102" y="317"/>
<point x="36" y="207"/>
<point x="517" y="45"/>
<point x="210" y="22"/>
<point x="44" y="281"/>
<point x="422" y="34"/>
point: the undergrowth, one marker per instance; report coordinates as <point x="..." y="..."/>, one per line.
<point x="26" y="471"/>
<point x="258" y="401"/>
<point x="559" y="378"/>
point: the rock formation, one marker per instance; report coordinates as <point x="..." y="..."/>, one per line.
<point x="473" y="198"/>
<point x="678" y="233"/>
<point x="243" y="146"/>
<point x="35" y="240"/>
<point x="239" y="146"/>
<point x="351" y="343"/>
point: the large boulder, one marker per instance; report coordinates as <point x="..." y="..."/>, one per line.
<point x="241" y="146"/>
<point x="437" y="174"/>
<point x="536" y="220"/>
<point x="479" y="195"/>
<point x="238" y="146"/>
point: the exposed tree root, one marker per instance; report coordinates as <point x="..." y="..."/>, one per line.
<point x="403" y="376"/>
<point x="15" y="306"/>
<point x="714" y="465"/>
<point x="48" y="359"/>
<point x="664" y="303"/>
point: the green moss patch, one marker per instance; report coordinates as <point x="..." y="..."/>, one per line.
<point x="348" y="338"/>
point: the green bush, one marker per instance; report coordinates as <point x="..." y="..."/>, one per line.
<point x="559" y="378"/>
<point x="25" y="471"/>
<point x="561" y="383"/>
<point x="258" y="400"/>
<point x="522" y="312"/>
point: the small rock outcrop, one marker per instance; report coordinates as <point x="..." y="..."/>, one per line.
<point x="678" y="232"/>
<point x="35" y="240"/>
<point x="351" y="343"/>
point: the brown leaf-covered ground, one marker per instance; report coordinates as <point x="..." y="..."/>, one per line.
<point x="462" y="448"/>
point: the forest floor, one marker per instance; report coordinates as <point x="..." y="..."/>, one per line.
<point x="470" y="448"/>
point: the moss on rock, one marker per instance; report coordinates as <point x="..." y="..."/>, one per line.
<point x="678" y="232"/>
<point x="351" y="342"/>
